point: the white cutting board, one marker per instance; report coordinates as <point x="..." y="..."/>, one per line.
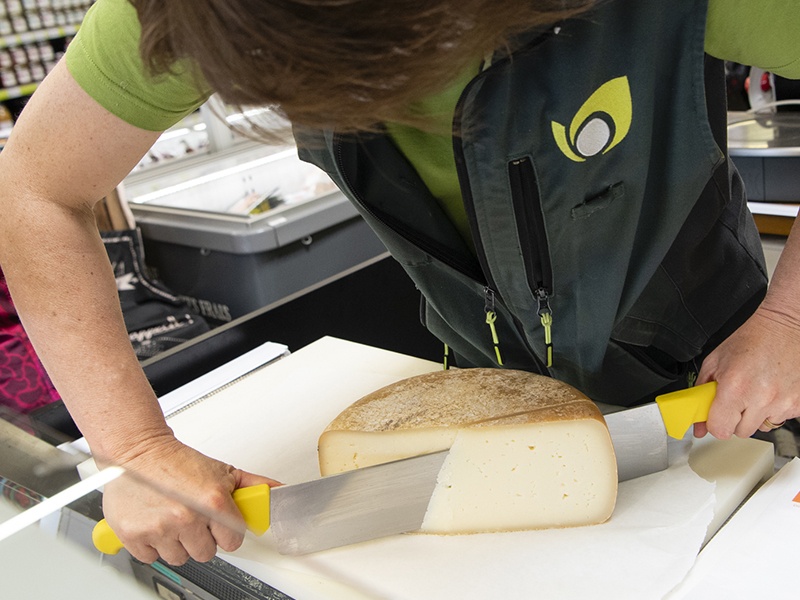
<point x="269" y="421"/>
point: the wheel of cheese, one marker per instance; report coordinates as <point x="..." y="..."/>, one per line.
<point x="526" y="451"/>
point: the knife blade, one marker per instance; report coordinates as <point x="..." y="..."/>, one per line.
<point x="336" y="510"/>
<point x="640" y="434"/>
<point x="391" y="498"/>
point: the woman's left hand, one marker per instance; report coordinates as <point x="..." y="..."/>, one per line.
<point x="757" y="370"/>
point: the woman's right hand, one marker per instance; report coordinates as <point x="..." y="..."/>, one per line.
<point x="146" y="507"/>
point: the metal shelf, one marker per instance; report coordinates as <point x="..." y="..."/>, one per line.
<point x="40" y="35"/>
<point x="31" y="37"/>
<point x="17" y="91"/>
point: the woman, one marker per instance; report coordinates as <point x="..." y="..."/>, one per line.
<point x="569" y="217"/>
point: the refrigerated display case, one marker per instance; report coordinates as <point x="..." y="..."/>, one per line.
<point x="765" y="147"/>
<point x="243" y="227"/>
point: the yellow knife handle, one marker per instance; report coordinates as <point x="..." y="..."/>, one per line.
<point x="252" y="502"/>
<point x="682" y="408"/>
<point x="105" y="539"/>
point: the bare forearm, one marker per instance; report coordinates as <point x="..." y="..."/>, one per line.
<point x="63" y="287"/>
<point x="65" y="153"/>
<point x="784" y="290"/>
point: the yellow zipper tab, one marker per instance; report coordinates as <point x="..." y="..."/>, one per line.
<point x="547" y="321"/>
<point x="546" y="317"/>
<point x="491" y="317"/>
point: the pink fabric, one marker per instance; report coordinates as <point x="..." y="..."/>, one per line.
<point x="24" y="384"/>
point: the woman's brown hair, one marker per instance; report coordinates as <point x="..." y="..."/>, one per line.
<point x="344" y="64"/>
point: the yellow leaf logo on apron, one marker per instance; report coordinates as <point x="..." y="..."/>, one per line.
<point x="600" y="124"/>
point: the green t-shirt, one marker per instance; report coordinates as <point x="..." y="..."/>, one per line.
<point x="104" y="60"/>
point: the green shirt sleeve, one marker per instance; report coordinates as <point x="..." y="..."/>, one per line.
<point x="757" y="33"/>
<point x="104" y="60"/>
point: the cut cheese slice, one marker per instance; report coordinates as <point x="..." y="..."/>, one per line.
<point x="526" y="451"/>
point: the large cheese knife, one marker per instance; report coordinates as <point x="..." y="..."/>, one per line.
<point x="393" y="498"/>
<point x="336" y="510"/>
<point x="640" y="434"/>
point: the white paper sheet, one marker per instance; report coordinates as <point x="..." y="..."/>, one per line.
<point x="755" y="554"/>
<point x="269" y="423"/>
<point x="646" y="549"/>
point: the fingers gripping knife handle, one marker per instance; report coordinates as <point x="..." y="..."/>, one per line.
<point x="682" y="408"/>
<point x="252" y="502"/>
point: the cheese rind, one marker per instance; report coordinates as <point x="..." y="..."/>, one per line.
<point x="526" y="451"/>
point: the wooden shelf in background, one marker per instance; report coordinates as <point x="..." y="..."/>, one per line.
<point x="112" y="213"/>
<point x="774" y="218"/>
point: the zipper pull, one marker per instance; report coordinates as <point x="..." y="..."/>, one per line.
<point x="546" y="317"/>
<point x="691" y="378"/>
<point x="491" y="317"/>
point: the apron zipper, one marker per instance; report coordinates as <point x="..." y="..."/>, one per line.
<point x="533" y="237"/>
<point x="490" y="290"/>
<point x="465" y="269"/>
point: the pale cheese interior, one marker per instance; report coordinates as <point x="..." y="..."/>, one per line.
<point x="341" y="451"/>
<point x="525" y="477"/>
